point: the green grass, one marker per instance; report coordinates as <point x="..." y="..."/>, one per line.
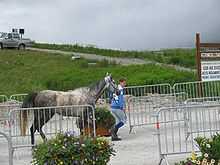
<point x="25" y="71"/>
<point x="181" y="57"/>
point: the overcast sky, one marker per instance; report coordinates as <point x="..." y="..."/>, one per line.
<point x="121" y="24"/>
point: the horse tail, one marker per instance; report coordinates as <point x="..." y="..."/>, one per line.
<point x="27" y="103"/>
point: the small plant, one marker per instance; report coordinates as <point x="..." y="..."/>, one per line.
<point x="210" y="146"/>
<point x="66" y="149"/>
<point x="104" y="122"/>
<point x="199" y="160"/>
<point x="210" y="152"/>
<point x="104" y="118"/>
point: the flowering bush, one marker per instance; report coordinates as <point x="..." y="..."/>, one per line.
<point x="210" y="146"/>
<point x="203" y="159"/>
<point x="66" y="149"/>
<point x="210" y="152"/>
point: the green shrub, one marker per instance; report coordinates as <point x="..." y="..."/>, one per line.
<point x="104" y="118"/>
<point x="66" y="149"/>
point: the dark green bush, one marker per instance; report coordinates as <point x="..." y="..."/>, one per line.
<point x="104" y="118"/>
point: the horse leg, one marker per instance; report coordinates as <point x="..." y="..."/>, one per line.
<point x="79" y="122"/>
<point x="43" y="121"/>
<point x="42" y="134"/>
<point x="32" y="130"/>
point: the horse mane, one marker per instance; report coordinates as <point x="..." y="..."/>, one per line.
<point x="94" y="86"/>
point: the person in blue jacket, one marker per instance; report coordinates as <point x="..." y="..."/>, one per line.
<point x="118" y="109"/>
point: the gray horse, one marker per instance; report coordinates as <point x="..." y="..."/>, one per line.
<point x="47" y="98"/>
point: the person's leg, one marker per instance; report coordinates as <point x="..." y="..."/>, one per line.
<point x="120" y="117"/>
<point x="114" y="130"/>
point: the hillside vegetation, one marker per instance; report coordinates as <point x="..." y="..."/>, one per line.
<point x="25" y="71"/>
<point x="181" y="57"/>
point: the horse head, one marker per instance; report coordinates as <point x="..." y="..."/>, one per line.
<point x="110" y="83"/>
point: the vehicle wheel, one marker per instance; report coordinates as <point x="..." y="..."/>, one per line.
<point x="21" y="47"/>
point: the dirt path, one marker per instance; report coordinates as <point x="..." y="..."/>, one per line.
<point x="117" y="60"/>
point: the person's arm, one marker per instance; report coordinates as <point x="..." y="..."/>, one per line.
<point x="121" y="100"/>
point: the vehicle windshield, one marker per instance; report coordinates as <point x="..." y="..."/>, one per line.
<point x="2" y="35"/>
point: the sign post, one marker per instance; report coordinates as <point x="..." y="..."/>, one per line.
<point x="207" y="62"/>
<point x="198" y="57"/>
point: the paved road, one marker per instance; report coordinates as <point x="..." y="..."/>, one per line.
<point x="117" y="60"/>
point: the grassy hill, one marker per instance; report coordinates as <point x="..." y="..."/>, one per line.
<point x="25" y="71"/>
<point x="181" y="57"/>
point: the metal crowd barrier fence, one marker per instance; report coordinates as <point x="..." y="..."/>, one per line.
<point x="18" y="97"/>
<point x="141" y="109"/>
<point x="177" y="127"/>
<point x="193" y="89"/>
<point x="202" y="100"/>
<point x="3" y="98"/>
<point x="146" y="90"/>
<point x="5" y="108"/>
<point x="77" y="119"/>
<point x="198" y="88"/>
<point x="143" y="90"/>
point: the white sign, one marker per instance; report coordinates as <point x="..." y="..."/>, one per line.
<point x="210" y="54"/>
<point x="210" y="70"/>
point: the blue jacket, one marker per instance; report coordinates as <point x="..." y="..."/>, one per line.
<point x="118" y="102"/>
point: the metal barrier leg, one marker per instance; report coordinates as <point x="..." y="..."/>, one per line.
<point x="186" y="126"/>
<point x="131" y="128"/>
<point x="161" y="160"/>
<point x="166" y="161"/>
<point x="163" y="157"/>
<point x="10" y="149"/>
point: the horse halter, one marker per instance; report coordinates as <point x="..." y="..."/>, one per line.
<point x="111" y="82"/>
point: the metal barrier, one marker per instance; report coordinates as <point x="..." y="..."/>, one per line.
<point x="3" y="98"/>
<point x="141" y="109"/>
<point x="173" y="124"/>
<point x="198" y="88"/>
<point x="47" y="121"/>
<point x="5" y="108"/>
<point x="202" y="100"/>
<point x="18" y="97"/>
<point x="144" y="90"/>
<point x="193" y="89"/>
<point x="177" y="127"/>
